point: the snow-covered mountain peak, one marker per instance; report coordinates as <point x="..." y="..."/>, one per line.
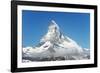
<point x="53" y="32"/>
<point x="55" y="45"/>
<point x="53" y="25"/>
<point x="53" y="21"/>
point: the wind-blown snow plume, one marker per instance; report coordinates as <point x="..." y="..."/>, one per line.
<point x="54" y="46"/>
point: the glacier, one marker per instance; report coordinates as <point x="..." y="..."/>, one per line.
<point x="55" y="46"/>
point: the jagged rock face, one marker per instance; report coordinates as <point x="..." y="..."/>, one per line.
<point x="54" y="46"/>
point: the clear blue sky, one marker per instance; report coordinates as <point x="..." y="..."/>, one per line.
<point x="74" y="25"/>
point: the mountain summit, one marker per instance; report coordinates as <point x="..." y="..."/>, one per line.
<point x="53" y="32"/>
<point x="54" y="45"/>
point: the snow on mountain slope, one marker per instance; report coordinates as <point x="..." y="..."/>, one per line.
<point x="54" y="46"/>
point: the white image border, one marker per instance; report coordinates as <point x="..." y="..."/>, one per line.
<point x="52" y="63"/>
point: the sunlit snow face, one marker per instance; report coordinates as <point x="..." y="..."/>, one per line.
<point x="52" y="29"/>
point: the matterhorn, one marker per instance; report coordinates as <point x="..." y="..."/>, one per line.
<point x="54" y="46"/>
